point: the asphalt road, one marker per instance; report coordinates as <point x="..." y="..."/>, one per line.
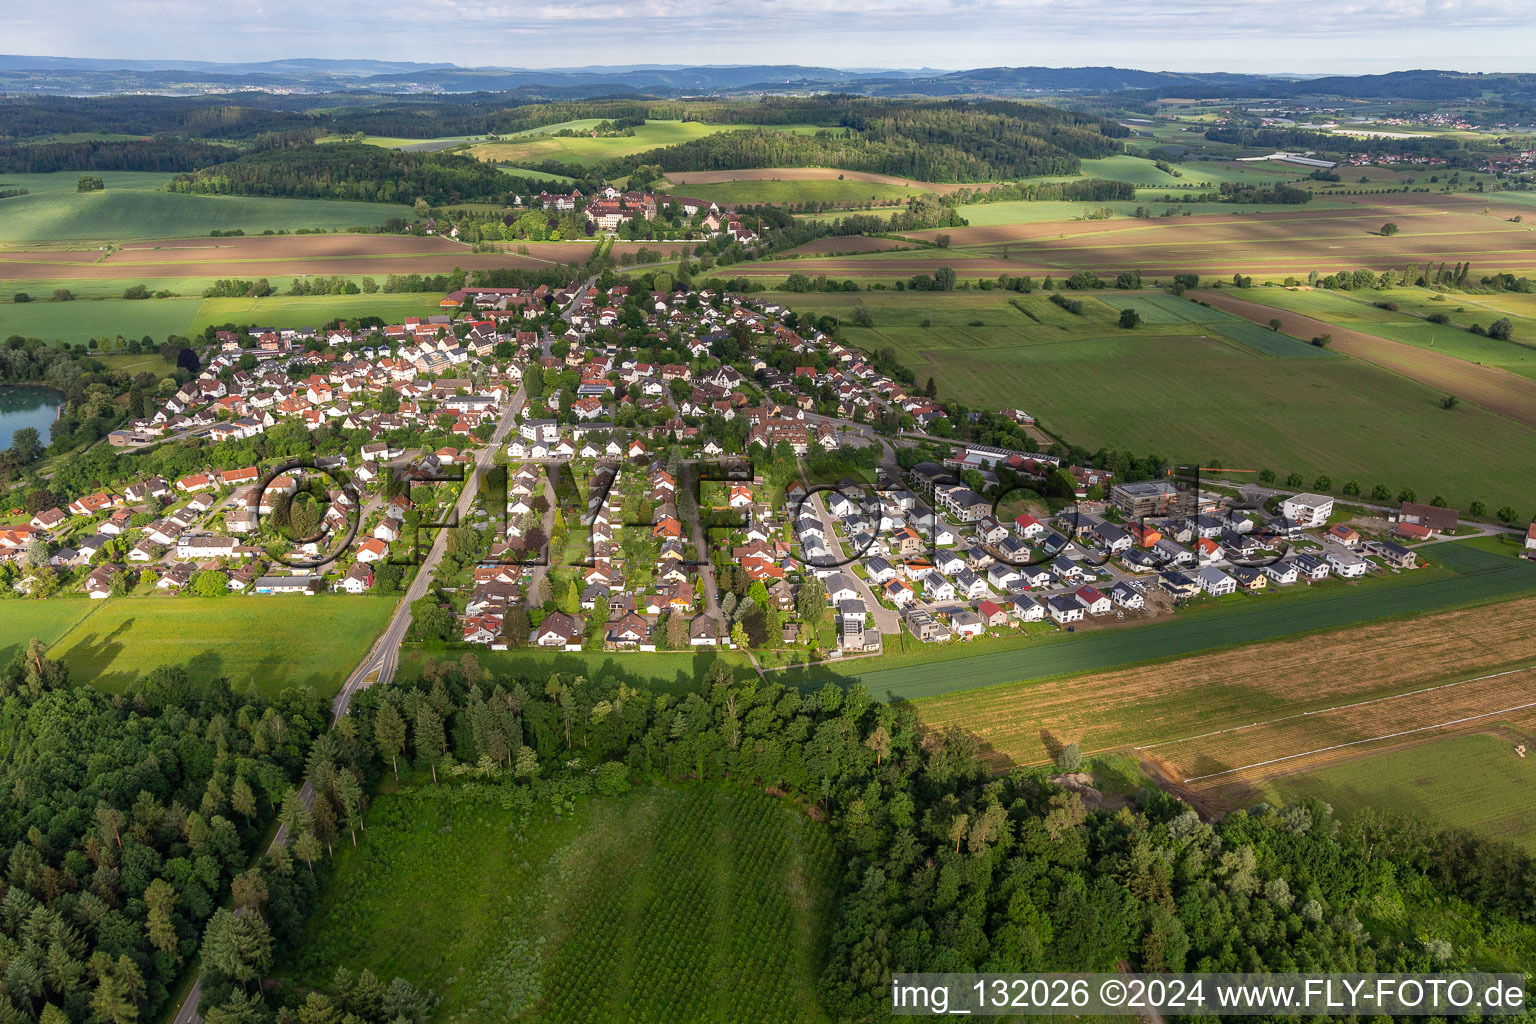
<point x="379" y="664"/>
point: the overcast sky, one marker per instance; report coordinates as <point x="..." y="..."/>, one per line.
<point x="1276" y="36"/>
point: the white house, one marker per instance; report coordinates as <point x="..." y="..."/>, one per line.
<point x="1065" y="608"/>
<point x="1346" y="563"/>
<point x="1283" y="573"/>
<point x="1215" y="582"/>
<point x="1127" y="597"/>
<point x="1308" y="510"/>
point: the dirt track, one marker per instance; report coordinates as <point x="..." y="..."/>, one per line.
<point x="1490" y="387"/>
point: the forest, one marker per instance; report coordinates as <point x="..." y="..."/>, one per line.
<point x="129" y="823"/>
<point x="163" y="154"/>
<point x="952" y="141"/>
<point x="354" y="171"/>
<point x="946" y="865"/>
<point x="125" y="823"/>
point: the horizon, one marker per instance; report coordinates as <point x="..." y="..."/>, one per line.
<point x="915" y="70"/>
<point x="1324" y="37"/>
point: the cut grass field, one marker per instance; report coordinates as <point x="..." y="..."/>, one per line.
<point x="1154" y="707"/>
<point x="1476" y="782"/>
<point x="132" y="207"/>
<point x="1326" y="235"/>
<point x="269" y="643"/>
<point x="675" y="903"/>
<point x="1185" y="391"/>
<point x="1306" y="739"/>
<point x="180" y="263"/>
<point x="540" y="144"/>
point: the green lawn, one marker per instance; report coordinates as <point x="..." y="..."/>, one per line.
<point x="266" y="642"/>
<point x="22" y="621"/>
<point x="131" y="207"/>
<point x="675" y="903"/>
<point x="1475" y="782"/>
<point x="1478" y="575"/>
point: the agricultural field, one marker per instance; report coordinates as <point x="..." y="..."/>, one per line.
<point x="185" y="315"/>
<point x="314" y="310"/>
<point x="1505" y="394"/>
<point x="691" y="902"/>
<point x="1265" y="242"/>
<point x="1155" y="707"/>
<point x="1476" y="782"/>
<point x="1477" y="576"/>
<point x="276" y="257"/>
<point x="133" y="207"/>
<point x="685" y="180"/>
<point x="1201" y="388"/>
<point x="1356" y="309"/>
<point x="540" y="144"/>
<point x="267" y="642"/>
<point x="97" y="318"/>
<point x="1296" y="741"/>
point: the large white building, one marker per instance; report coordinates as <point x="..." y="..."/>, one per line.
<point x="1309" y="510"/>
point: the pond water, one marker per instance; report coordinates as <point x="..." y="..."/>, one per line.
<point x="24" y="405"/>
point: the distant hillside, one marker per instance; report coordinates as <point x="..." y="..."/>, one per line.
<point x="99" y="76"/>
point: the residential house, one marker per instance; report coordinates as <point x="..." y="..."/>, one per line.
<point x="1065" y="609"/>
<point x="1309" y="510"/>
<point x="1215" y="582"/>
<point x="558" y="630"/>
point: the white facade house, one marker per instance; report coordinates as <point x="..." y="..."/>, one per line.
<point x="1308" y="510"/>
<point x="1215" y="582"/>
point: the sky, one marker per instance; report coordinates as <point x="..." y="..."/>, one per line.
<point x="1254" y="36"/>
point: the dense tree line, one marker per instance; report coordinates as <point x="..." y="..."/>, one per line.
<point x="1325" y="142"/>
<point x="125" y="821"/>
<point x="1232" y="192"/>
<point x="164" y="154"/>
<point x="354" y="171"/>
<point x="947" y="866"/>
<point x="1083" y="190"/>
<point x="24" y="117"/>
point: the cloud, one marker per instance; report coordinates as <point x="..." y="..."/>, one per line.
<point x="1235" y="35"/>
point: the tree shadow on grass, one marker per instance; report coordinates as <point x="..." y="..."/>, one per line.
<point x="91" y="658"/>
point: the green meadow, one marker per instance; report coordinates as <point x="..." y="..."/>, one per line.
<point x="187" y="314"/>
<point x="269" y="643"/>
<point x="132" y="206"/>
<point x="1474" y="782"/>
<point x="1189" y="392"/>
